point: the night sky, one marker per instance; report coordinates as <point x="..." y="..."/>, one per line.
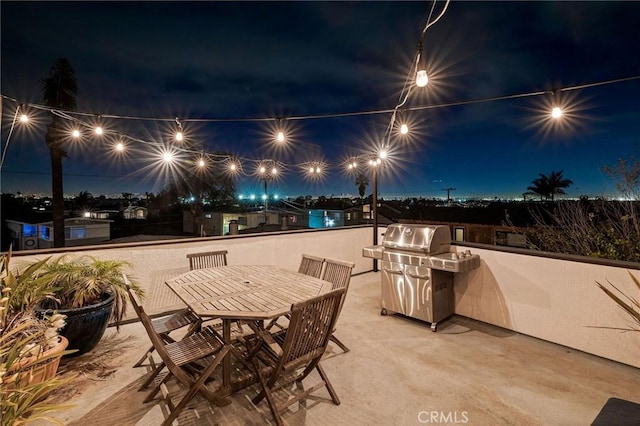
<point x="217" y="60"/>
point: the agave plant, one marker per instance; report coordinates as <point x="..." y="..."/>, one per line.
<point x="628" y="304"/>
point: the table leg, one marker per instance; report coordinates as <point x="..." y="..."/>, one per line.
<point x="226" y="366"/>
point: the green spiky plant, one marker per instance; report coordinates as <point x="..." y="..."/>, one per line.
<point x="82" y="281"/>
<point x="629" y="305"/>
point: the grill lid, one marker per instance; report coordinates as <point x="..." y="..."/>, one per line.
<point x="429" y="239"/>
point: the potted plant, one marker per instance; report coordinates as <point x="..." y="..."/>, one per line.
<point x="30" y="347"/>
<point x="90" y="292"/>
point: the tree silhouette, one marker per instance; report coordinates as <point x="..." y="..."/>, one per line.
<point x="362" y="181"/>
<point x="550" y="186"/>
<point x="59" y="92"/>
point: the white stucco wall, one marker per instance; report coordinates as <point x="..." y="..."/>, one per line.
<point x="551" y="299"/>
<point x="554" y="300"/>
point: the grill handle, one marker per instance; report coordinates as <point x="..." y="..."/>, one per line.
<point x="391" y="270"/>
<point x="424" y="276"/>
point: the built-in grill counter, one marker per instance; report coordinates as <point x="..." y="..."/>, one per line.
<point x="417" y="269"/>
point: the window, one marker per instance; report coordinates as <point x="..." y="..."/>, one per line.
<point x="29" y="231"/>
<point x="458" y="234"/>
<point x="45" y="233"/>
<point x="77" y="232"/>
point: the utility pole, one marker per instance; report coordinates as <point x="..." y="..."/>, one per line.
<point x="448" y="192"/>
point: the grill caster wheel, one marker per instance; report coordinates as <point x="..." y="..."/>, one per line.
<point x="434" y="327"/>
<point x="383" y="312"/>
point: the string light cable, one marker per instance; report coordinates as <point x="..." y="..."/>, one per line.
<point x="6" y="144"/>
<point x="73" y="116"/>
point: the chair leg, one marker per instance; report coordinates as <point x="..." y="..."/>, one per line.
<point x="156" y="388"/>
<point x="327" y="383"/>
<point x="337" y="341"/>
<point x="272" y="403"/>
<point x="196" y="386"/>
<point x="152" y="375"/>
<point x="141" y="360"/>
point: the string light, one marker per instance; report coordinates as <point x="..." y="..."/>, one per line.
<point x="119" y="147"/>
<point x="201" y="163"/>
<point x="24" y="118"/>
<point x="179" y="135"/>
<point x="71" y="115"/>
<point x="99" y="131"/>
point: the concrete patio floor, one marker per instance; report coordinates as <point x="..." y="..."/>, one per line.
<point x="398" y="372"/>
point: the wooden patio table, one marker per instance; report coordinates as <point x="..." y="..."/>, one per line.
<point x="243" y="292"/>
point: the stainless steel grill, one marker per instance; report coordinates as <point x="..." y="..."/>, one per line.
<point x="417" y="271"/>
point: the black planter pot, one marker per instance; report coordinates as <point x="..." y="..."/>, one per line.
<point x="86" y="326"/>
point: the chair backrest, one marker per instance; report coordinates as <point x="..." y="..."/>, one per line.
<point x="156" y="341"/>
<point x="311" y="265"/>
<point x="338" y="273"/>
<point x="310" y="327"/>
<point x="209" y="259"/>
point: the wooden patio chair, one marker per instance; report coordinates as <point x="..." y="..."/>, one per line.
<point x="338" y="272"/>
<point x="191" y="361"/>
<point x="311" y="265"/>
<point x="289" y="356"/>
<point x="209" y="259"/>
<point x="166" y="324"/>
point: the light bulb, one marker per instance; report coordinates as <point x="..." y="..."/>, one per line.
<point x="24" y="118"/>
<point x="556" y="112"/>
<point x="263" y="169"/>
<point x="274" y="171"/>
<point x="232" y="167"/>
<point x="318" y="170"/>
<point x="99" y="130"/>
<point x="382" y="155"/>
<point x="404" y="129"/>
<point x="167" y="157"/>
<point x="280" y="137"/>
<point x="421" y="78"/>
<point x="201" y="163"/>
<point x="120" y="147"/>
<point x="311" y="169"/>
<point x="75" y="133"/>
<point x="179" y="136"/>
<point x="350" y="166"/>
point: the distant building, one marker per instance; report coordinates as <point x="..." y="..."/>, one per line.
<point x="135" y="212"/>
<point x="217" y="223"/>
<point x="77" y="232"/>
<point x="326" y="218"/>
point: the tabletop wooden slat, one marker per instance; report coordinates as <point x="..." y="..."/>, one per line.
<point x="245" y="291"/>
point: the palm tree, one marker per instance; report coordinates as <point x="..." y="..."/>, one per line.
<point x="362" y="181"/>
<point x="557" y="184"/>
<point x="540" y="186"/>
<point x="548" y="186"/>
<point x="59" y="92"/>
